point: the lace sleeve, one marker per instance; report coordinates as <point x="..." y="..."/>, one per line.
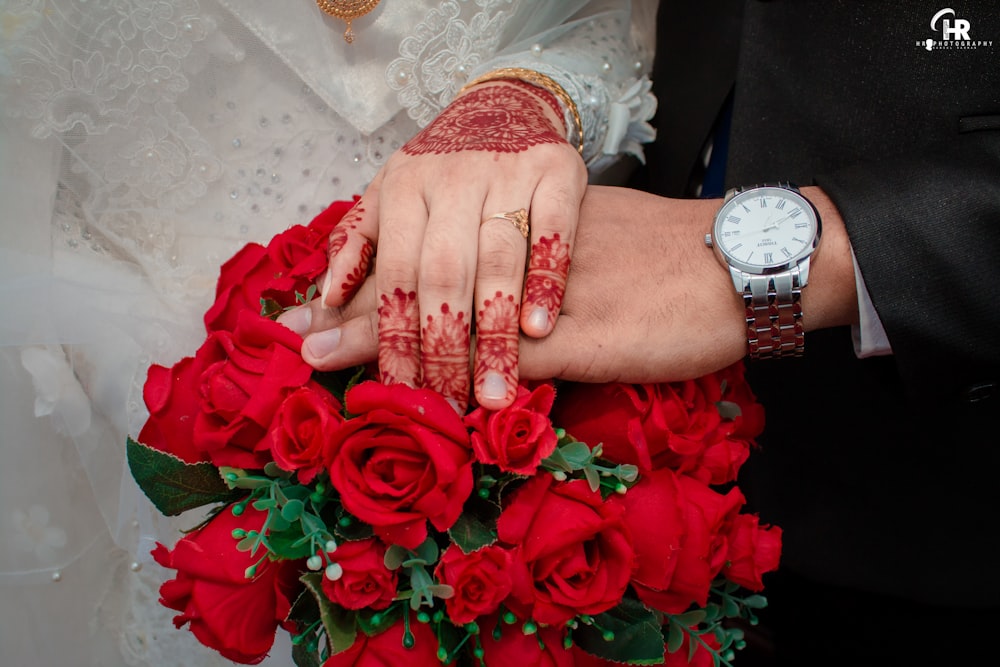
<point x="600" y="55"/>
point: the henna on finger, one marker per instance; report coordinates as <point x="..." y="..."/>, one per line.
<point x="399" y="338"/>
<point x="445" y="350"/>
<point x="545" y="283"/>
<point x="497" y="348"/>
<point x="353" y="281"/>
<point x="341" y="235"/>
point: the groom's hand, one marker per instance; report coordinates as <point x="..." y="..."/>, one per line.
<point x="646" y="300"/>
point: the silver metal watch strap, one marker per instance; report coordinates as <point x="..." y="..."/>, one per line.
<point x="774" y="315"/>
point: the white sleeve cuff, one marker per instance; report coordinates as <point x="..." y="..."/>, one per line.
<point x="870" y="339"/>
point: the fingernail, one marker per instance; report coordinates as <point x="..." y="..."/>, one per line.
<point x="326" y="286"/>
<point x="323" y="343"/>
<point x="297" y="319"/>
<point x="539" y="319"/>
<point x="494" y="386"/>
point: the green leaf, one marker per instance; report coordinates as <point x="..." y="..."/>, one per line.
<point x="394" y="557"/>
<point x="712" y="613"/>
<point x="450" y="638"/>
<point x="173" y="485"/>
<point x="340" y="624"/>
<point x="348" y="528"/>
<point x="271" y="469"/>
<point x="577" y="454"/>
<point x="237" y="478"/>
<point x="373" y="622"/>
<point x="755" y="601"/>
<point x="270" y="308"/>
<point x="689" y="618"/>
<point x="303" y="657"/>
<point x="428" y="551"/>
<point x="290" y="545"/>
<point x="292" y="510"/>
<point x="693" y="648"/>
<point x="638" y="636"/>
<point x="305" y="613"/>
<point x="728" y="410"/>
<point x="477" y="525"/>
<point x="593" y="478"/>
<point x="556" y="461"/>
<point x="730" y="607"/>
<point x="675" y="637"/>
<point x="442" y="591"/>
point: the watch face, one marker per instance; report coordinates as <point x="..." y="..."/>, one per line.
<point x="766" y="229"/>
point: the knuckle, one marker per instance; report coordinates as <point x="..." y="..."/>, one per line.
<point x="443" y="271"/>
<point x="393" y="274"/>
<point x="502" y="254"/>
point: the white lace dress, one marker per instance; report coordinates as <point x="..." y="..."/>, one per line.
<point x="142" y="142"/>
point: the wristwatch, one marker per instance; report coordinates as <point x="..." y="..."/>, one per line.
<point x="766" y="235"/>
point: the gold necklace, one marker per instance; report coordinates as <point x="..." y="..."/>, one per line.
<point x="347" y="11"/>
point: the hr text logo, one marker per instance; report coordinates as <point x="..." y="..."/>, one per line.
<point x="954" y="33"/>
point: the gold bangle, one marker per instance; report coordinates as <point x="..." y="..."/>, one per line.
<point x="535" y="79"/>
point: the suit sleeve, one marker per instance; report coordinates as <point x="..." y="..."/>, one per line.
<point x="926" y="233"/>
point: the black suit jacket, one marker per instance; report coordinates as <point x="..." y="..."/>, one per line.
<point x="884" y="471"/>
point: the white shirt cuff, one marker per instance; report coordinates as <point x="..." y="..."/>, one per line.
<point x="869" y="335"/>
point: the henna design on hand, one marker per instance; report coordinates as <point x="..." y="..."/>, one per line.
<point x="548" y="269"/>
<point x="497" y="340"/>
<point x="341" y="231"/>
<point x="357" y="276"/>
<point x="399" y="338"/>
<point x="445" y="341"/>
<point x="339" y="237"/>
<point x="503" y="119"/>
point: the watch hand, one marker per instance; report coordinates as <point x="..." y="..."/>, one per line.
<point x="777" y="223"/>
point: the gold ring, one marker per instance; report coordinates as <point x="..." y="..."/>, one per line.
<point x="518" y="218"/>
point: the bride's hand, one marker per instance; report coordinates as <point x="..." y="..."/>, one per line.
<point x="646" y="300"/>
<point x="443" y="218"/>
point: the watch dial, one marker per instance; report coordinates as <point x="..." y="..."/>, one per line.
<point x="766" y="227"/>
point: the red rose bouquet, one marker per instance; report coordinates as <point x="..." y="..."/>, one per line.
<point x="582" y="525"/>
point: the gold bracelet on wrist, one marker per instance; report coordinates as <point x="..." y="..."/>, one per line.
<point x="540" y="80"/>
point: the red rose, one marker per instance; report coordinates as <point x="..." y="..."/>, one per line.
<point x="519" y="436"/>
<point x="301" y="252"/>
<point x="386" y="649"/>
<point x="679" y="559"/>
<point x="753" y="550"/>
<point x="256" y="367"/>
<point x="750" y="422"/>
<point x="402" y="460"/>
<point x="324" y="223"/>
<point x="481" y="581"/>
<point x="573" y="555"/>
<point x="233" y="614"/>
<point x="241" y="282"/>
<point x="366" y="581"/>
<point x="171" y="397"/>
<point x="291" y="262"/>
<point x="515" y="648"/>
<point x="301" y="429"/>
<point x="674" y="425"/>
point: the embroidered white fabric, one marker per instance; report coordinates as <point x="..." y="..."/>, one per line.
<point x="142" y="142"/>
